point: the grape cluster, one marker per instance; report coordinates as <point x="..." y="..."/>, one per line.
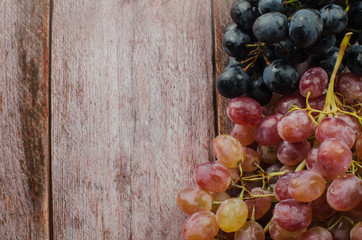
<point x="291" y="167"/>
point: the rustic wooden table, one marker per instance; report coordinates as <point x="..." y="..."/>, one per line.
<point x="105" y="108"/>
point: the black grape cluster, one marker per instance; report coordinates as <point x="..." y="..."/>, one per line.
<point x="269" y="38"/>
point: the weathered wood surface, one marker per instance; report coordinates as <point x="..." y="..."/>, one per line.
<point x="24" y="136"/>
<point x="221" y="19"/>
<point x="132" y="113"/>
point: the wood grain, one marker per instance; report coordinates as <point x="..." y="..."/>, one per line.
<point x="221" y="19"/>
<point x="24" y="114"/>
<point x="132" y="114"/>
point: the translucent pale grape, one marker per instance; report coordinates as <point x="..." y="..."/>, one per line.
<point x="244" y="134"/>
<point x="228" y="151"/>
<point x="232" y="214"/>
<point x="306" y="186"/>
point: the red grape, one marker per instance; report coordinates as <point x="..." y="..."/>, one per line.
<point x="345" y="192"/>
<point x="244" y="110"/>
<point x="315" y="81"/>
<point x="244" y="133"/>
<point x="261" y="204"/>
<point x="306" y="186"/>
<point x="356" y="231"/>
<point x="334" y="158"/>
<point x="350" y="86"/>
<point x="336" y="128"/>
<point x="212" y="176"/>
<point x="252" y="158"/>
<point x="359" y="146"/>
<point x="250" y="231"/>
<point x="292" y="215"/>
<point x="321" y="208"/>
<point x="200" y="226"/>
<point x="317" y="233"/>
<point x="268" y="154"/>
<point x="194" y="199"/>
<point x="296" y="126"/>
<point x="291" y="154"/>
<point x="278" y="233"/>
<point x="281" y="187"/>
<point x="266" y="132"/>
<point x="287" y="102"/>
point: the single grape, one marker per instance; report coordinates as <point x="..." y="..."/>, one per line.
<point x="306" y="186"/>
<point x="296" y="126"/>
<point x="286" y="49"/>
<point x="266" y="132"/>
<point x="352" y="122"/>
<point x="338" y="129"/>
<point x="334" y="158"/>
<point x="281" y="77"/>
<point x="266" y="6"/>
<point x="342" y="230"/>
<point x="233" y="82"/>
<point x="345" y="192"/>
<point x="315" y="81"/>
<point x="305" y="27"/>
<point x="316" y="233"/>
<point x="334" y="19"/>
<point x="200" y="226"/>
<point x="271" y="27"/>
<point x="356" y="231"/>
<point x="323" y="45"/>
<point x="287" y="102"/>
<point x="261" y="204"/>
<point x="278" y="233"/>
<point x="252" y="158"/>
<point x="232" y="214"/>
<point x="194" y="199"/>
<point x="212" y="176"/>
<point x="250" y="231"/>
<point x="259" y="91"/>
<point x="327" y="61"/>
<point x="291" y="154"/>
<point x="218" y="197"/>
<point x="268" y="154"/>
<point x="228" y="151"/>
<point x="281" y="187"/>
<point x="244" y="134"/>
<point x="292" y="215"/>
<point x="354" y="60"/>
<point x="321" y="208"/>
<point x="234" y="43"/>
<point x="230" y="26"/>
<point x="244" y="14"/>
<point x="244" y="111"/>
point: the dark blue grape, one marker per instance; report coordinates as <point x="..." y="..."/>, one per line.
<point x="354" y="60"/>
<point x="327" y="61"/>
<point x="244" y="14"/>
<point x="232" y="82"/>
<point x="355" y="15"/>
<point x="305" y="27"/>
<point x="281" y="77"/>
<point x="271" y="27"/>
<point x="266" y="6"/>
<point x="234" y="41"/>
<point x="286" y="49"/>
<point x="259" y="91"/>
<point x="334" y="19"/>
<point x="322" y="46"/>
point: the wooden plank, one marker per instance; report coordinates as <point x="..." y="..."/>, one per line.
<point x="221" y="19"/>
<point x="24" y="114"/>
<point x="132" y="114"/>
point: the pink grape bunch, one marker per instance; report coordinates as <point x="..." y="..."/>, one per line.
<point x="291" y="167"/>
